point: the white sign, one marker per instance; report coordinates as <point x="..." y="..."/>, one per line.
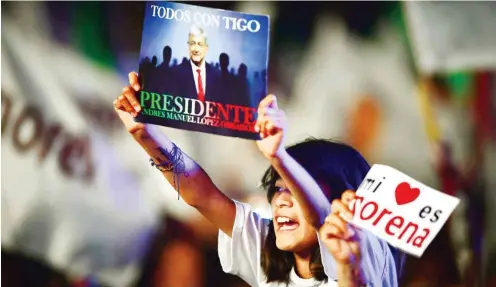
<point x="399" y="209"/>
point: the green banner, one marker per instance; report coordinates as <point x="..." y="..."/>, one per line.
<point x="89" y="28"/>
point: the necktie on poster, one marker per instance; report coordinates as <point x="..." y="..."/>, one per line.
<point x="202" y="69"/>
<point x="452" y="36"/>
<point x="401" y="210"/>
<point x="201" y="94"/>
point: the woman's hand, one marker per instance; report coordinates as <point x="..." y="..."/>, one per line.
<point x="128" y="107"/>
<point x="341" y="240"/>
<point x="271" y="124"/>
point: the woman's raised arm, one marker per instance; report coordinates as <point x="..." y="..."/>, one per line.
<point x="272" y="124"/>
<point x="196" y="187"/>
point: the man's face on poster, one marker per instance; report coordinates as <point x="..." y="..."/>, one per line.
<point x="197" y="48"/>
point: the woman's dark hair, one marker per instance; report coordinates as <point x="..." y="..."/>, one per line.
<point x="337" y="166"/>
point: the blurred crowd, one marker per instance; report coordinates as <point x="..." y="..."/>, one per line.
<point x="250" y="84"/>
<point x="82" y="207"/>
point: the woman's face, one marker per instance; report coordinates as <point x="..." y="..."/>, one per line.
<point x="293" y="232"/>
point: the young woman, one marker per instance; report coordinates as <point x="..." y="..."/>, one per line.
<point x="308" y="242"/>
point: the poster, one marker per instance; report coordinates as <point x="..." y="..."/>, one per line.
<point x="202" y="69"/>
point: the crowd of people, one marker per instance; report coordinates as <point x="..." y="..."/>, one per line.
<point x="230" y="85"/>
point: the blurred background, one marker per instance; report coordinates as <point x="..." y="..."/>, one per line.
<point x="409" y="84"/>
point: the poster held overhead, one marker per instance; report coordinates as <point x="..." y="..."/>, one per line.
<point x="202" y="69"/>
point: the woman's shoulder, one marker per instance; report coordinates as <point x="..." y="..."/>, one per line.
<point x="246" y="214"/>
<point x="373" y="248"/>
<point x="370" y="240"/>
<point x="239" y="253"/>
<point x="377" y="259"/>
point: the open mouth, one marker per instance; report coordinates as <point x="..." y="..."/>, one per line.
<point x="286" y="223"/>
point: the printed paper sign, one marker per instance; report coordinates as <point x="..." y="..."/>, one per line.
<point x="399" y="209"/>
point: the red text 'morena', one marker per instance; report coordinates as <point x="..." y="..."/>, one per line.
<point x="395" y="225"/>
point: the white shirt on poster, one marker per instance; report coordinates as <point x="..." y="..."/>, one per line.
<point x="240" y="255"/>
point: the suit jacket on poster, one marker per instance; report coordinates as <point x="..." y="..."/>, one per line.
<point x="184" y="82"/>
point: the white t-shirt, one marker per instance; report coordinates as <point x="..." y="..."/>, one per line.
<point x="240" y="255"/>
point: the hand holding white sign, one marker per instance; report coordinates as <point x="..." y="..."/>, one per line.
<point x="337" y="235"/>
<point x="341" y="239"/>
<point x="399" y="209"/>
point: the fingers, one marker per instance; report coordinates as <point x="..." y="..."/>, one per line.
<point x="273" y="104"/>
<point x="336" y="227"/>
<point x="125" y="105"/>
<point x="127" y="102"/>
<point x="343" y="250"/>
<point x="339" y="236"/>
<point x="118" y="105"/>
<point x="269" y="121"/>
<point x="347" y="197"/>
<point x="348" y="251"/>
<point x="337" y="222"/>
<point x="355" y="250"/>
<point x="268" y="101"/>
<point x="131" y="98"/>
<point x="133" y="81"/>
<point x="338" y="207"/>
<point x="334" y="247"/>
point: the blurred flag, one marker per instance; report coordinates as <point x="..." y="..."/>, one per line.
<point x="461" y="86"/>
<point x="84" y="26"/>
<point x="452" y="36"/>
<point x="103" y="32"/>
<point x="364" y="125"/>
<point x="72" y="190"/>
<point x="90" y="33"/>
<point x="484" y="116"/>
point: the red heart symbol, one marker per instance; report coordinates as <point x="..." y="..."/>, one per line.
<point x="405" y="194"/>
